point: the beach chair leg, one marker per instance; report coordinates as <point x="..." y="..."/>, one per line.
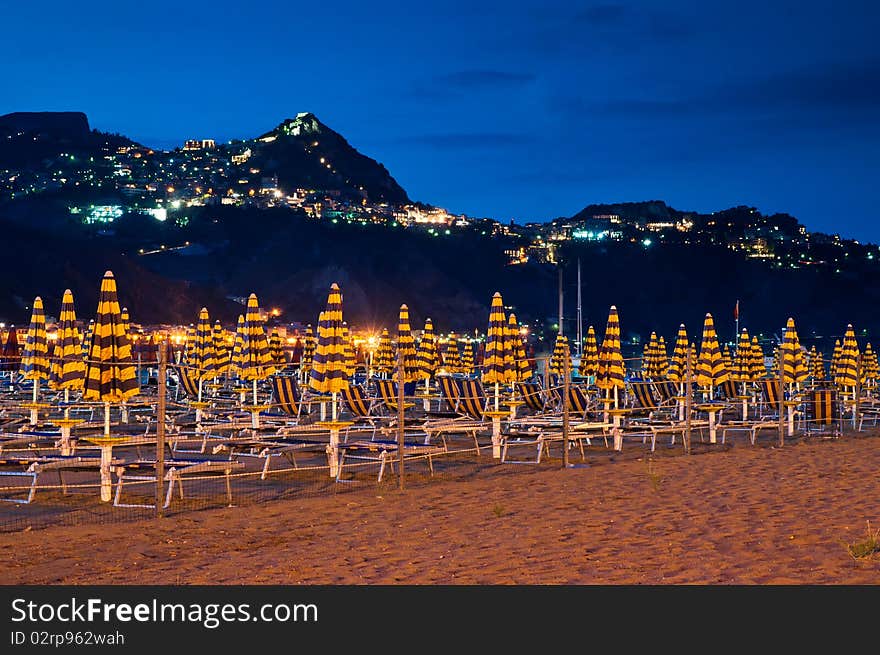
<point x="118" y="495"/>
<point x="180" y="486"/>
<point x="382" y="466"/>
<point x="431" y="465"/>
<point x="170" y="491"/>
<point x="62" y="483"/>
<point x="581" y="446"/>
<point x="228" y="488"/>
<point x="266" y="467"/>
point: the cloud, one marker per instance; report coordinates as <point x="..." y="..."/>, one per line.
<point x="463" y="82"/>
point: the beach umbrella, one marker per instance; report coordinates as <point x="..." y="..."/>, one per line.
<point x="203" y="351"/>
<point x="235" y="362"/>
<point x="348" y="351"/>
<point x="757" y="366"/>
<point x="276" y="350"/>
<point x="109" y="375"/>
<point x="451" y="356"/>
<point x="383" y="360"/>
<point x="87" y="338"/>
<point x="467" y="358"/>
<point x="10" y="360"/>
<point x="741" y="371"/>
<point x="495" y="362"/>
<point x="817" y="366"/>
<point x="589" y="365"/>
<point x="794" y="368"/>
<point x="328" y="366"/>
<point x="726" y="358"/>
<point x="256" y="360"/>
<point x="650" y="358"/>
<point x="521" y="370"/>
<point x="427" y="356"/>
<point x="847" y="366"/>
<point x="406" y="346"/>
<point x="221" y="352"/>
<point x="561" y="353"/>
<point x="835" y="358"/>
<point x="662" y="358"/>
<point x="611" y="372"/>
<point x="676" y="371"/>
<point x="869" y="367"/>
<point x="68" y="368"/>
<point x="35" y="356"/>
<point x="710" y="366"/>
<point x="308" y="353"/>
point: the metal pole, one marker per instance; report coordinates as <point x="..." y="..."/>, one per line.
<point x="688" y="397"/>
<point x="400" y="419"/>
<point x="781" y="402"/>
<point x="160" y="432"/>
<point x="565" y="386"/>
<point x="580" y="326"/>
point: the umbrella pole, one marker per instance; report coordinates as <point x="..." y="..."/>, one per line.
<point x="106" y="419"/>
<point x="66" y="403"/>
<point x="333" y="406"/>
<point x="200" y="391"/>
<point x="255" y="391"/>
<point x="496" y="396"/>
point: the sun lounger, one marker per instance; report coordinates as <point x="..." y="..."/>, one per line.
<point x="33" y="467"/>
<point x="175" y="472"/>
<point x="385" y="452"/>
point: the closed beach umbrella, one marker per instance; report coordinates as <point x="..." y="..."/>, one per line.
<point x="348" y="350"/>
<point x="221" y="351"/>
<point x="662" y="359"/>
<point x="817" y="366"/>
<point x="10" y="360"/>
<point x="710" y="366"/>
<point x="847" y="366"/>
<point x="726" y="358"/>
<point x="328" y="366"/>
<point x="794" y="367"/>
<point x="869" y="368"/>
<point x="835" y="358"/>
<point x="676" y="371"/>
<point x="758" y="368"/>
<point x="428" y="357"/>
<point x="35" y="356"/>
<point x="649" y="357"/>
<point x="308" y="353"/>
<point x="235" y="362"/>
<point x="110" y="372"/>
<point x="494" y="370"/>
<point x="467" y="358"/>
<point x="561" y="353"/>
<point x="68" y="368"/>
<point x="406" y="346"/>
<point x="276" y="350"/>
<point x="742" y="360"/>
<point x="383" y="360"/>
<point x="451" y="356"/>
<point x="256" y="360"/>
<point x="203" y="350"/>
<point x="611" y="373"/>
<point x="522" y="370"/>
<point x="589" y="365"/>
<point x="87" y="338"/>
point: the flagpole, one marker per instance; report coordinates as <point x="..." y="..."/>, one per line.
<point x="736" y="316"/>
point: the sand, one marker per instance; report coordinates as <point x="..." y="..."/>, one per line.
<point x="748" y="515"/>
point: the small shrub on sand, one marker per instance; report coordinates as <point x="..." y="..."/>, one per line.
<point x="654" y="477"/>
<point x="866" y="547"/>
<point x="499" y="511"/>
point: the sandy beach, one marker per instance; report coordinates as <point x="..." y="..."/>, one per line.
<point x="748" y="515"/>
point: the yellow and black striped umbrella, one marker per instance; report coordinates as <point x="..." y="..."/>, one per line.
<point x="256" y="360"/>
<point x="726" y="358"/>
<point x="451" y="356"/>
<point x="794" y="367"/>
<point x="561" y="353"/>
<point x="848" y="364"/>
<point x="308" y="353"/>
<point x="87" y="339"/>
<point x="710" y="366"/>
<point x="328" y="366"/>
<point x="817" y="366"/>
<point x="221" y="352"/>
<point x="835" y="358"/>
<point x="428" y="357"/>
<point x="68" y="368"/>
<point x="611" y="373"/>
<point x="203" y="348"/>
<point x="189" y="353"/>
<point x="407" y="346"/>
<point x="522" y="370"/>
<point x="126" y="322"/>
<point x="759" y="369"/>
<point x="348" y="350"/>
<point x="235" y="363"/>
<point x="676" y="371"/>
<point x="869" y="368"/>
<point x="383" y="360"/>
<point x="662" y="359"/>
<point x="494" y="371"/>
<point x="276" y="350"/>
<point x="35" y="356"/>
<point x="589" y="365"/>
<point x="742" y="360"/>
<point x="467" y="357"/>
<point x="648" y="356"/>
<point x="110" y="372"/>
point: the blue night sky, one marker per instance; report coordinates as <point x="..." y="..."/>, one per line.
<point x="521" y="109"/>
